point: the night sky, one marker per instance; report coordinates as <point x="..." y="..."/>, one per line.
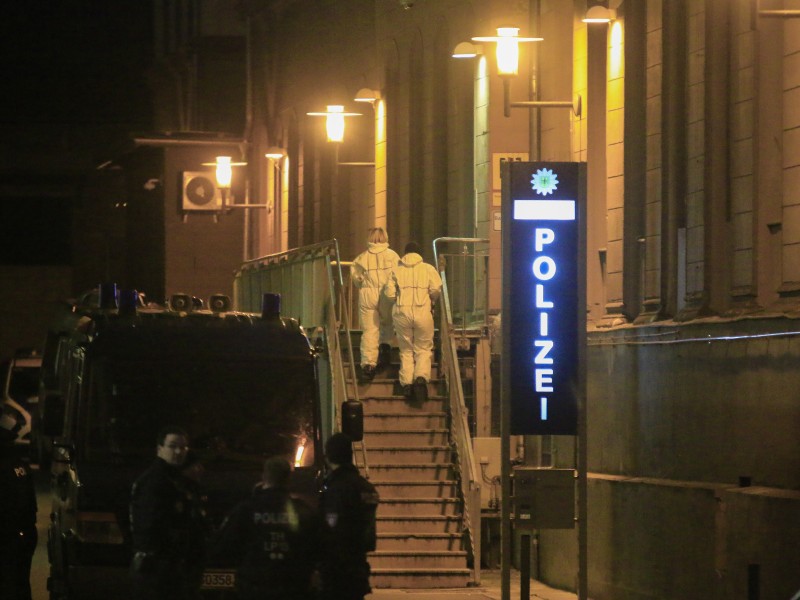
<point x="74" y="84"/>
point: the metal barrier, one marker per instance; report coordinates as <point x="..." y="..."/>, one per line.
<point x="459" y="425"/>
<point x="312" y="289"/>
<point x="468" y="274"/>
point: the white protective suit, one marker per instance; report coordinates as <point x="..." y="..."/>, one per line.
<point x="371" y="270"/>
<point x="414" y="286"/>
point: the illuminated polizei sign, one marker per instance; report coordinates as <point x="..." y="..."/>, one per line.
<point x="542" y="258"/>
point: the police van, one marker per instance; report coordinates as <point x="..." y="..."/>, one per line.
<point x="245" y="387"/>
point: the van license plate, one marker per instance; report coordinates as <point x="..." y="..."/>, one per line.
<point x="218" y="580"/>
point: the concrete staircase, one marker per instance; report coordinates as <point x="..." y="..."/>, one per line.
<point x="420" y="540"/>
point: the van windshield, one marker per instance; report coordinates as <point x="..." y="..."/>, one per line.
<point x="23" y="383"/>
<point x="234" y="412"/>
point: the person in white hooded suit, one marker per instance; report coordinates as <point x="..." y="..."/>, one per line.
<point x="371" y="270"/>
<point x="415" y="287"/>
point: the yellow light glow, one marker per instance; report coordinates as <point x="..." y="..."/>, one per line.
<point x="224" y="171"/>
<point x="615" y="63"/>
<point x="298" y="456"/>
<point x="275" y="153"/>
<point x="334" y="123"/>
<point x="508" y="50"/>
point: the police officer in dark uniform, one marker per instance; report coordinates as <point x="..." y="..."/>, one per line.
<point x="17" y="514"/>
<point x="164" y="525"/>
<point x="348" y="504"/>
<point x="273" y="538"/>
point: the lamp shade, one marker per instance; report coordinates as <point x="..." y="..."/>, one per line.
<point x="367" y="95"/>
<point x="507" y="50"/>
<point x="275" y="153"/>
<point x="466" y="50"/>
<point x="334" y="123"/>
<point x="599" y="14"/>
<point x="507" y="42"/>
<point x="224" y="171"/>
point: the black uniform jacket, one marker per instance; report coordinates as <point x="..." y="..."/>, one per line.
<point x="163" y="514"/>
<point x="17" y="497"/>
<point x="349" y="503"/>
<point x="275" y="541"/>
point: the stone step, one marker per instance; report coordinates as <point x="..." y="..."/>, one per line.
<point x="399" y="403"/>
<point x="377" y="387"/>
<point x="392" y="369"/>
<point x="418" y="560"/>
<point x="411" y="472"/>
<point x="415" y="489"/>
<point x="407" y="454"/>
<point x="421" y="542"/>
<point x="396" y="507"/>
<point x="420" y="524"/>
<point x="408" y="420"/>
<point x="390" y="386"/>
<point x="404" y="437"/>
<point x="420" y="578"/>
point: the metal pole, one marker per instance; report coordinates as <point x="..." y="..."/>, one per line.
<point x="582" y="453"/>
<point x="525" y="567"/>
<point x="505" y="407"/>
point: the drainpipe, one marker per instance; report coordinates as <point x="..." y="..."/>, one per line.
<point x="248" y="130"/>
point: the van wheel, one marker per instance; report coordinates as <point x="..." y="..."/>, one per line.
<point x="57" y="589"/>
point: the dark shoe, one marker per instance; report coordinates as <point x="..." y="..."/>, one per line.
<point x="384" y="356"/>
<point x="420" y="389"/>
<point x="368" y="372"/>
<point x="406" y="391"/>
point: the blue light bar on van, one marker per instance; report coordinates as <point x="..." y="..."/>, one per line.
<point x="128" y="301"/>
<point x="108" y="295"/>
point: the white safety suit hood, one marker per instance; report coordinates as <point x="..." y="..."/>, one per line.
<point x="414" y="283"/>
<point x="377" y="247"/>
<point x="411" y="259"/>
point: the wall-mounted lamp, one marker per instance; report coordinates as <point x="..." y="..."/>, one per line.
<point x="367" y="95"/>
<point x="600" y="14"/>
<point x="224" y="174"/>
<point x="334" y="121"/>
<point x="275" y="153"/>
<point x="224" y="177"/>
<point x="507" y="41"/>
<point x="467" y="50"/>
<point x="334" y="125"/>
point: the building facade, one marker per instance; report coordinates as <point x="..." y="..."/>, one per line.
<point x="690" y="128"/>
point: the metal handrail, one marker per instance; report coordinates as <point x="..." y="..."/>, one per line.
<point x="344" y="311"/>
<point x="459" y="426"/>
<point x="459" y="433"/>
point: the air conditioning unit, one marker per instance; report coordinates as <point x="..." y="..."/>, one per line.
<point x="199" y="192"/>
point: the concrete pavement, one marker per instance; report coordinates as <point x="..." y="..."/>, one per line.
<point x="488" y="590"/>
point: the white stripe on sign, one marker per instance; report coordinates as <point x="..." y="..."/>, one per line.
<point x="544" y="210"/>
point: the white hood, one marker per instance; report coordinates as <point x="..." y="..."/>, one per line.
<point x="376" y="247"/>
<point x="411" y="259"/>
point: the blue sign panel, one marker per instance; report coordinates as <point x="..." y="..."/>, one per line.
<point x="543" y="296"/>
